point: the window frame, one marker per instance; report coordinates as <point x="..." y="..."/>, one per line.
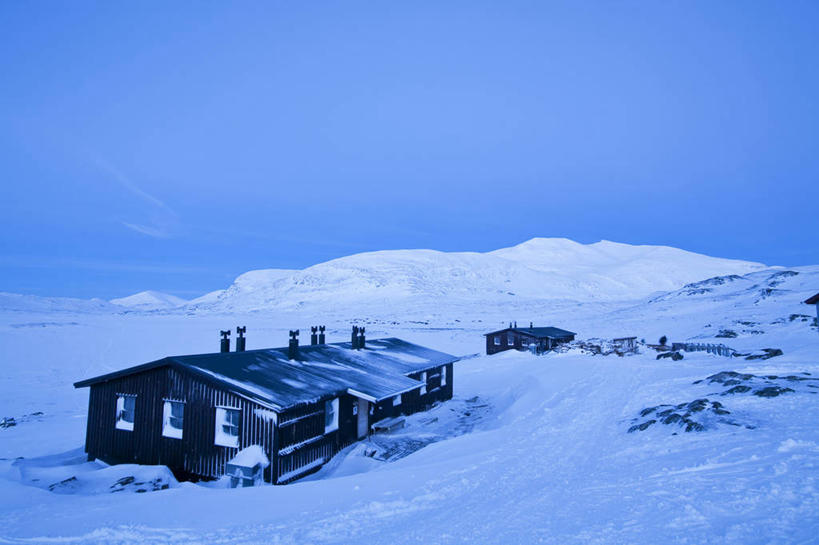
<point x="119" y="422"/>
<point x="333" y="424"/>
<point x="497" y="340"/>
<point x="396" y="401"/>
<point x="424" y="380"/>
<point x="223" y="423"/>
<point x="443" y="375"/>
<point x="168" y="417"/>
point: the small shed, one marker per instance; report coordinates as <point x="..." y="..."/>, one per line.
<point x="247" y="467"/>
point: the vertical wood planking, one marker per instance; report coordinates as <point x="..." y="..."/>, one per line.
<point x="195" y="455"/>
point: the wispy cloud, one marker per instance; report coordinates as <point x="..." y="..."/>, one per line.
<point x="162" y="218"/>
<point x="146" y="230"/>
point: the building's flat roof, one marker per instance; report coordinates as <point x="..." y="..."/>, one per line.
<point x="377" y="371"/>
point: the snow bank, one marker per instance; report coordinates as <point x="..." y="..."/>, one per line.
<point x="68" y="473"/>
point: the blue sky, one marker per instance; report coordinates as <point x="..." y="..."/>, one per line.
<point x="173" y="146"/>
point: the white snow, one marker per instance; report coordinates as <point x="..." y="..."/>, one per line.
<point x="543" y="455"/>
<point x="250" y="457"/>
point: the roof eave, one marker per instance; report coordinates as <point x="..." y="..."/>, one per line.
<point x="123" y="372"/>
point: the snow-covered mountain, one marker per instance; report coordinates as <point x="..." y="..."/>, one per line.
<point x="150" y="300"/>
<point x="542" y="268"/>
<point x="17" y="302"/>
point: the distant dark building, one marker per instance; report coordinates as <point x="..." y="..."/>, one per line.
<point x="301" y="405"/>
<point x="814" y="301"/>
<point x="540" y="339"/>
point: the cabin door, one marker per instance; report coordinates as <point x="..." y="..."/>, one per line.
<point x="363" y="418"/>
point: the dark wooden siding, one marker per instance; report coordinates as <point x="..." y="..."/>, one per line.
<point x="413" y="401"/>
<point x="293" y="439"/>
<point x="514" y="340"/>
<point x="193" y="456"/>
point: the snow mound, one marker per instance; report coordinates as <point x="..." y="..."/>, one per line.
<point x="150" y="300"/>
<point x="69" y="473"/>
<point x="250" y="457"/>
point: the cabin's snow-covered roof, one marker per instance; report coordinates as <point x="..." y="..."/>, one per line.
<point x="539" y="332"/>
<point x="813" y="300"/>
<point x="377" y="371"/>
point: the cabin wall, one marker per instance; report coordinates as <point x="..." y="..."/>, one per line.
<point x="508" y="341"/>
<point x="492" y="348"/>
<point x="193" y="456"/>
<point x="303" y="442"/>
<point x="413" y="401"/>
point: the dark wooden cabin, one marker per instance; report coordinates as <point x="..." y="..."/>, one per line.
<point x="194" y="413"/>
<point x="540" y="339"/>
<point x="814" y="301"/>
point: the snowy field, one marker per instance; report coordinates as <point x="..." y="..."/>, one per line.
<point x="530" y="450"/>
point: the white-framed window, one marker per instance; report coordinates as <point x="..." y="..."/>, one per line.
<point x="331" y="415"/>
<point x="443" y="375"/>
<point x="510" y="340"/>
<point x="396" y="401"/>
<point x="227" y="427"/>
<point x="173" y="418"/>
<point x="424" y="380"/>
<point x="497" y="340"/>
<point x="126" y="404"/>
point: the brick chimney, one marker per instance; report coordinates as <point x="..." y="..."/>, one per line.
<point x="313" y="335"/>
<point x="225" y="344"/>
<point x="355" y="337"/>
<point x="361" y="342"/>
<point x="321" y="338"/>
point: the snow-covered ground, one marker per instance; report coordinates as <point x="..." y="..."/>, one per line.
<point x="531" y="449"/>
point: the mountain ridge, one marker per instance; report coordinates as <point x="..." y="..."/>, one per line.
<point x="539" y="269"/>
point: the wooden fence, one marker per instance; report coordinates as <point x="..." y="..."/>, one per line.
<point x="718" y="349"/>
